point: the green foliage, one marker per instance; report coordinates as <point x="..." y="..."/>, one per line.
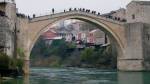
<point x="12" y="64"/>
<point x="20" y="52"/>
<point x="40" y="49"/>
<point x="19" y="63"/>
<point x="55" y="63"/>
<point x="71" y="45"/>
<point x="58" y="48"/>
<point x="4" y="60"/>
<point x="102" y="56"/>
<point x="87" y="54"/>
<point x="69" y="55"/>
<point x="9" y="63"/>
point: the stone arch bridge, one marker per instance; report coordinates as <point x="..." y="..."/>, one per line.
<point x="128" y="37"/>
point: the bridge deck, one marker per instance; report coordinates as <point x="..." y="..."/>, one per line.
<point x="52" y="16"/>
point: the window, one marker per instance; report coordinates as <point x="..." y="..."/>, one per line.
<point x="133" y="16"/>
<point x="148" y="36"/>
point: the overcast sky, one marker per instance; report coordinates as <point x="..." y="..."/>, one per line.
<point x="44" y="6"/>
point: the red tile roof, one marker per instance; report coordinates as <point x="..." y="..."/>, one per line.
<point x="49" y="35"/>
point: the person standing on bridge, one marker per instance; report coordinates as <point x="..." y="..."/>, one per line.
<point x="98" y="14"/>
<point x="70" y="9"/>
<point x="53" y="10"/>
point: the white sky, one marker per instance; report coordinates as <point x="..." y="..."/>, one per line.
<point x="45" y="6"/>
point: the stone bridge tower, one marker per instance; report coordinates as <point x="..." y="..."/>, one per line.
<point x="7" y="26"/>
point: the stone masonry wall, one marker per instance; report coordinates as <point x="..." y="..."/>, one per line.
<point x="3" y="33"/>
<point x="138" y="11"/>
<point x="133" y="57"/>
<point x="10" y="14"/>
<point x="146" y="46"/>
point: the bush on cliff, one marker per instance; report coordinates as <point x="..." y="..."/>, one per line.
<point x="7" y="62"/>
<point x="4" y="61"/>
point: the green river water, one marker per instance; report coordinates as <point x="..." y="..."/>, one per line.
<point x="80" y="76"/>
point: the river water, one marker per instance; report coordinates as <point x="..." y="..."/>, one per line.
<point x="80" y="76"/>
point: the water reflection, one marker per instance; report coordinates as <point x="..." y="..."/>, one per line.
<point x="133" y="78"/>
<point x="80" y="76"/>
<point x="26" y="79"/>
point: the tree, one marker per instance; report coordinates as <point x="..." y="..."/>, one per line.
<point x="86" y="55"/>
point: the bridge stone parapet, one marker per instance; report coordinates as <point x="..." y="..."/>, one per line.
<point x="51" y="16"/>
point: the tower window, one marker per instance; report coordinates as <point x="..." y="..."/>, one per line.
<point x="133" y="16"/>
<point x="148" y="36"/>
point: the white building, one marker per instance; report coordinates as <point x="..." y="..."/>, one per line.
<point x="96" y="37"/>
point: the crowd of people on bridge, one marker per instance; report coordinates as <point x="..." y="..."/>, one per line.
<point x="92" y="12"/>
<point x="74" y="9"/>
<point x="79" y="9"/>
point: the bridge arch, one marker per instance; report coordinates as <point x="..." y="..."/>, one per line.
<point x="132" y="47"/>
<point x="127" y="37"/>
<point x="114" y="30"/>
